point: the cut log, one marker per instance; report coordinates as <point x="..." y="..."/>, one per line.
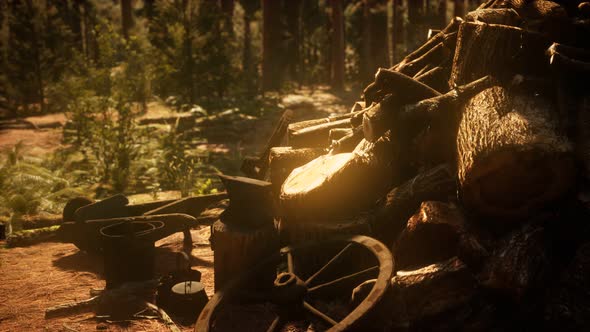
<point x="435" y="56"/>
<point x="317" y="135"/>
<point x="431" y="235"/>
<point x="520" y="264"/>
<point x="392" y="212"/>
<point x="236" y="249"/>
<point x="498" y="50"/>
<point x="379" y="118"/>
<point x="434" y="289"/>
<point x="296" y="126"/>
<point x="250" y="201"/>
<point x="503" y="16"/>
<point x="358" y="106"/>
<point x="340" y="184"/>
<point x="511" y="162"/>
<point x="283" y="160"/>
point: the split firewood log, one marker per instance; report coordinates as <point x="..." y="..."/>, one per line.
<point x="434" y="289"/>
<point x="511" y="162"/>
<point x="392" y="212"/>
<point x="283" y="160"/>
<point x="436" y="232"/>
<point x="340" y="184"/>
<point x="520" y="264"/>
<point x="497" y="50"/>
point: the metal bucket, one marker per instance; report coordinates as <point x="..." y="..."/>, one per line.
<point x="129" y="252"/>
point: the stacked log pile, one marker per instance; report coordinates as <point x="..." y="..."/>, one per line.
<point x="470" y="160"/>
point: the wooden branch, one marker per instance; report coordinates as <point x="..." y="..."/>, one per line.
<point x="164" y="316"/>
<point x="293" y="127"/>
<point x="577" y="61"/>
<point x="430" y="43"/>
<point x="434" y="56"/>
<point x="193" y="206"/>
<point x="436" y="78"/>
<point x="348" y="142"/>
<point x="379" y="118"/>
<point x="317" y="135"/>
<point x="504" y="16"/>
<point x="72" y="308"/>
<point x="337" y="133"/>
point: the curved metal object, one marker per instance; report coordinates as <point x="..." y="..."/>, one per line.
<point x="289" y="278"/>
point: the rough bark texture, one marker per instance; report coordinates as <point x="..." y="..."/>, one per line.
<point x="434" y="289"/>
<point x="393" y="211"/>
<point x="237" y="249"/>
<point x="497" y="50"/>
<point x="511" y="162"/>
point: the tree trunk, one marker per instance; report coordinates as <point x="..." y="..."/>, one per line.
<point x="126" y="17"/>
<point x="442" y="13"/>
<point x="227" y="8"/>
<point x="337" y="72"/>
<point x="367" y="65"/>
<point x="459" y="10"/>
<point x="271" y="39"/>
<point x="187" y="14"/>
<point x="511" y="161"/>
<point x="293" y="12"/>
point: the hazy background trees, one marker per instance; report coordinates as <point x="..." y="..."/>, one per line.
<point x="215" y="53"/>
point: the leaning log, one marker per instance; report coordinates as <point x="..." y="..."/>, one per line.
<point x="340" y="184"/>
<point x="504" y="16"/>
<point x="511" y="162"/>
<point x="392" y="212"/>
<point x="317" y="135"/>
<point x="498" y="50"/>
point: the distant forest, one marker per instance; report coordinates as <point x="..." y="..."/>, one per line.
<point x="214" y="53"/>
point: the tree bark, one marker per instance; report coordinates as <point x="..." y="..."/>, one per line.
<point x="126" y="17"/>
<point x="293" y="12"/>
<point x="511" y="161"/>
<point x="227" y="8"/>
<point x="337" y="72"/>
<point x="271" y="38"/>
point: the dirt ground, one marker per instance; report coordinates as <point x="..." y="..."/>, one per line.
<point x="35" y="278"/>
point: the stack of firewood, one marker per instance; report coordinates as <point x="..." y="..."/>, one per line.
<point x="470" y="159"/>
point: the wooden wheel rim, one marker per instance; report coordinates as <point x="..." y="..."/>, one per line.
<point x="379" y="250"/>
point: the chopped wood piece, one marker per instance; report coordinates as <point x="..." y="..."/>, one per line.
<point x="283" y="160"/>
<point x="358" y="106"/>
<point x="432" y="234"/>
<point x="520" y="263"/>
<point x="337" y="133"/>
<point x="434" y="289"/>
<point x="317" y="135"/>
<point x="164" y="317"/>
<point x="511" y="162"/>
<point x="340" y="184"/>
<point x="497" y="50"/>
<point x="295" y="126"/>
<point x="392" y="212"/>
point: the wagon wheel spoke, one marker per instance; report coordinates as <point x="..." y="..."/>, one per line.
<point x="325" y="267"/>
<point x="319" y="314"/>
<point x="341" y="279"/>
<point x="255" y="295"/>
<point x="276" y="323"/>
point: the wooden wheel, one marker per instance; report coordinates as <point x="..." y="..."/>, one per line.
<point x="320" y="299"/>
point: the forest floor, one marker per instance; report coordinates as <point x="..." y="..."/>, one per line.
<point x="40" y="276"/>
